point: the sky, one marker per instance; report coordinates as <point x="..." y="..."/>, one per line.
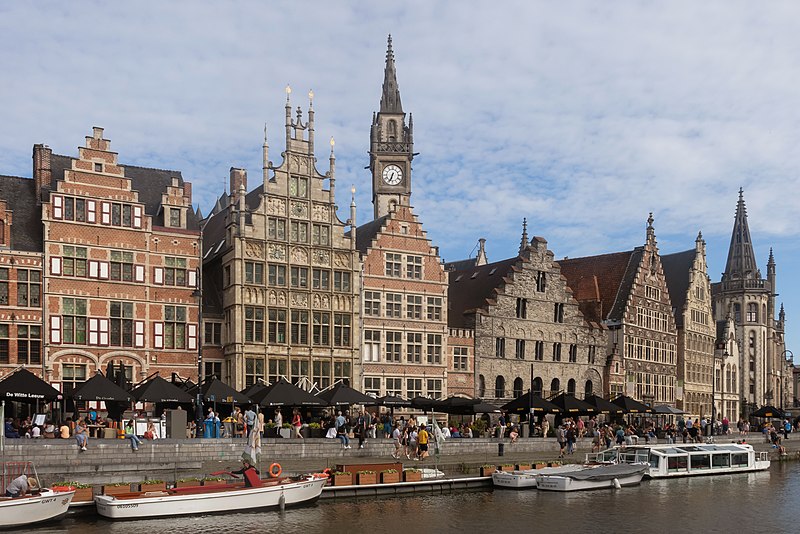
<point x="582" y="117"/>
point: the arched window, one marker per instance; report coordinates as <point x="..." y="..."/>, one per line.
<point x="588" y="389"/>
<point x="500" y="387"/>
<point x="752" y="312"/>
<point x="537" y="387"/>
<point x="737" y="312"/>
<point x="481" y="386"/>
<point x="391" y="126"/>
<point x="555" y="386"/>
<point x="571" y="387"/>
<point x="517" y="387"/>
<point x="2" y="232"/>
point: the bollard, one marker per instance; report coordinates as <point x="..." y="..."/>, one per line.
<point x="500" y="449"/>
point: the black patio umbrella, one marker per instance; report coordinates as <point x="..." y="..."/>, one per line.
<point x="215" y="390"/>
<point x="466" y="406"/>
<point x="570" y="404"/>
<point x="342" y="395"/>
<point x="768" y="411"/>
<point x="425" y="403"/>
<point x="157" y="389"/>
<point x="666" y="409"/>
<point x="250" y="390"/>
<point x="284" y="393"/>
<point x="24" y="386"/>
<point x="100" y="388"/>
<point x="630" y="405"/>
<point x="529" y="402"/>
<point x="392" y="401"/>
<point x="602" y="405"/>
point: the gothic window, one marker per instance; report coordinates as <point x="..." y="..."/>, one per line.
<point x="434" y="308"/>
<point x="536" y="389"/>
<point x="391" y="127"/>
<point x="752" y="312"/>
<point x="555" y="386"/>
<point x="556" y="352"/>
<point x="2" y="232"/>
<point x="573" y="353"/>
<point x="517" y="387"/>
<point x="372" y="303"/>
<point x="737" y="312"/>
<point x="460" y="358"/>
<point x="519" y="351"/>
<point x="571" y="387"/>
<point x="522" y="308"/>
<point x="538" y="353"/>
<point x="558" y="312"/>
<point x="299" y="328"/>
<point x="500" y="347"/>
<point x="541" y="281"/>
<point x="588" y="388"/>
<point x="500" y="387"/>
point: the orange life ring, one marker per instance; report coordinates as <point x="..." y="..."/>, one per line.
<point x="272" y="471"/>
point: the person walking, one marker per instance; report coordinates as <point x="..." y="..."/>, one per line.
<point x="362" y="423"/>
<point x="422" y="440"/>
<point x="561" y="438"/>
<point x="341" y="430"/>
<point x="130" y="434"/>
<point x="249" y="420"/>
<point x="278" y="421"/>
<point x="545" y="426"/>
<point x="396" y="437"/>
<point x="297" y="422"/>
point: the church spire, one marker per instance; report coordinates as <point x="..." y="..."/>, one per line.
<point x="390" y="99"/>
<point x="741" y="258"/>
<point x="523" y="242"/>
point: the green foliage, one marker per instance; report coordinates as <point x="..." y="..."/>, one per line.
<point x="367" y="472"/>
<point x="341" y="473"/>
<point x="315" y="426"/>
<point x="389" y="471"/>
<point x="153" y="481"/>
<point x="190" y="479"/>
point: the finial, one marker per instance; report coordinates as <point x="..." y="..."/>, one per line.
<point x="523" y="242"/>
<point x="699" y="236"/>
<point x="299" y="115"/>
<point x="265" y="133"/>
<point x="741" y="193"/>
<point x="389" y="51"/>
<point x="650" y="221"/>
<point x="333" y="143"/>
<point x="288" y="92"/>
<point x="310" y="98"/>
<point x="352" y="196"/>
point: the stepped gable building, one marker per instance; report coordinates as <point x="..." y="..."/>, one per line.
<point x="284" y="277"/>
<point x="529" y="332"/>
<point x="690" y="293"/>
<point x="405" y="336"/>
<point x="749" y="298"/>
<point x="20" y="276"/>
<point x="627" y="292"/>
<point x="121" y="257"/>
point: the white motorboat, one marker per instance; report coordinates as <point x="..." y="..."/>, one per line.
<point x="220" y="498"/>
<point x="680" y="460"/>
<point x="47" y="505"/>
<point x="596" y="477"/>
<point x="527" y="477"/>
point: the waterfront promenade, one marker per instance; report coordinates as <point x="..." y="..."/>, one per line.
<point x="170" y="459"/>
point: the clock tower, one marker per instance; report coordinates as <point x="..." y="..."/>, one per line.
<point x="391" y="145"/>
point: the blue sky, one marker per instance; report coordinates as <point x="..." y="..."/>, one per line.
<point x="581" y="116"/>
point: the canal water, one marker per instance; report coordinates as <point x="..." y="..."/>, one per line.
<point x="764" y="502"/>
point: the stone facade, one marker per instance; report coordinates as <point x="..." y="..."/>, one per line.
<point x="529" y="331"/>
<point x="461" y="367"/>
<point x="285" y="274"/>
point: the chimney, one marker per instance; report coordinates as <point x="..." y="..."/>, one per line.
<point x="42" y="173"/>
<point x="238" y="180"/>
<point x="187" y="190"/>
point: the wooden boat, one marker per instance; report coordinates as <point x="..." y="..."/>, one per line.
<point x="596" y="477"/>
<point x="527" y="477"/>
<point x="47" y="505"/>
<point x="690" y="459"/>
<point x="219" y="498"/>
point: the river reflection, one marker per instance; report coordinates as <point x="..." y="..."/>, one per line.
<point x="756" y="502"/>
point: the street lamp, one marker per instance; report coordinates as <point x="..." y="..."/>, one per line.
<point x="714" y="389"/>
<point x="783" y="368"/>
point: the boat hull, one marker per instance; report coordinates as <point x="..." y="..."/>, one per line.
<point x="591" y="478"/>
<point x="49" y="505"/>
<point x="527" y="478"/>
<point x="230" y="498"/>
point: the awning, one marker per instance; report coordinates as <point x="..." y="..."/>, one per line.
<point x="284" y="393"/>
<point x="530" y="403"/>
<point x="342" y="395"/>
<point x="159" y="390"/>
<point x="100" y="388"/>
<point x="24" y="386"/>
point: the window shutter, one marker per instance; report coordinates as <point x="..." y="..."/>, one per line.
<point x="192" y="335"/>
<point x="55" y="265"/>
<point x="138" y="273"/>
<point x="158" y="335"/>
<point x="192" y="278"/>
<point x="137" y="216"/>
<point x="93" y="269"/>
<point x="58" y="207"/>
<point x="138" y="337"/>
<point x="158" y="275"/>
<point x="93" y="331"/>
<point x="104" y="332"/>
<point x="106" y="212"/>
<point x="55" y="329"/>
<point x="91" y="211"/>
<point x="103" y="270"/>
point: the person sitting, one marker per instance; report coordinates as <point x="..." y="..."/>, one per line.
<point x="64" y="430"/>
<point x="36" y="432"/>
<point x="10" y="431"/>
<point x="514" y="434"/>
<point x="151" y="432"/>
<point x="130" y="434"/>
<point x="49" y="431"/>
<point x="21" y="485"/>
<point x="82" y="435"/>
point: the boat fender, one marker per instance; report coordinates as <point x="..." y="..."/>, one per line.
<point x="275" y="470"/>
<point x="282" y="502"/>
<point x="617" y="485"/>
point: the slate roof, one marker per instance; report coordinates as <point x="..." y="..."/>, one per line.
<point x="676" y="270"/>
<point x="469" y="289"/>
<point x="602" y="283"/>
<point x="20" y="196"/>
<point x="367" y="232"/>
<point x="460" y="265"/>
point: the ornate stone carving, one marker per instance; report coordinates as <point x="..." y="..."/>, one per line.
<point x="341" y="260"/>
<point x="277" y="252"/>
<point x="276" y="206"/>
<point x="299" y="299"/>
<point x="299" y="255"/>
<point x="320" y="212"/>
<point x="254" y="250"/>
<point x="321" y="257"/>
<point x="281" y="298"/>
<point x="320" y="302"/>
<point x="299" y="209"/>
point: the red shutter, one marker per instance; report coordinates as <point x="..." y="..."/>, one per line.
<point x="192" y="336"/>
<point x="138" y="334"/>
<point x="158" y="335"/>
<point x="58" y="207"/>
<point x="91" y="211"/>
<point x="138" y="273"/>
<point x="55" y="329"/>
<point x="55" y="265"/>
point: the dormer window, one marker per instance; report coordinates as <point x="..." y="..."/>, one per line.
<point x="175" y="217"/>
<point x="98" y="167"/>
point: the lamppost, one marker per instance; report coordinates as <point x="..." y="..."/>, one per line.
<point x="198" y="292"/>
<point x="714" y="389"/>
<point x="783" y="368"/>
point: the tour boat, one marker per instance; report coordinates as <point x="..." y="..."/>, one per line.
<point x="47" y="505"/>
<point x="219" y="498"/>
<point x="690" y="459"/>
<point x="596" y="477"/>
<point x="527" y="477"/>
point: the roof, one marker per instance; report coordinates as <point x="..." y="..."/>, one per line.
<point x="461" y="265"/>
<point x="598" y="282"/>
<point x="148" y="182"/>
<point x="367" y="232"/>
<point x="677" y="267"/>
<point x="469" y="289"/>
<point x="26" y="228"/>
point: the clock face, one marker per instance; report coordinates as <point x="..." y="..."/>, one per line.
<point x="392" y="174"/>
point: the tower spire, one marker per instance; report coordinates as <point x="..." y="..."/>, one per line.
<point x="741" y="258"/>
<point x="390" y="99"/>
<point x="523" y="242"/>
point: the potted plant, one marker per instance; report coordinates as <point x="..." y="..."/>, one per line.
<point x="390" y="476"/>
<point x="213" y="481"/>
<point x="286" y="430"/>
<point x="153" y="485"/>
<point x="116" y="488"/>
<point x="540" y="465"/>
<point x="315" y="430"/>
<point x="507" y="467"/>
<point x="190" y="482"/>
<point x="366" y="477"/>
<point x="269" y="430"/>
<point x="487" y="470"/>
<point x="412" y="475"/>
<point x="83" y="492"/>
<point x="554" y="463"/>
<point x="342" y="478"/>
<point x="523" y="466"/>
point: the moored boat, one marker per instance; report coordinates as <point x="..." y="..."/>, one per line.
<point x="527" y="477"/>
<point x="47" y="505"/>
<point x="688" y="459"/>
<point x="221" y="498"/>
<point x="597" y="477"/>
